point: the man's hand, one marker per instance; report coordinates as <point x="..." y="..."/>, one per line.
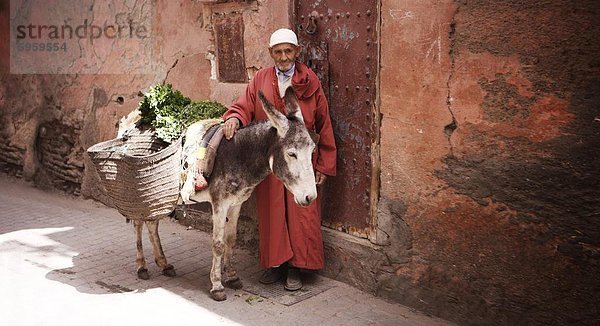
<point x="230" y="126"/>
<point x="320" y="178"/>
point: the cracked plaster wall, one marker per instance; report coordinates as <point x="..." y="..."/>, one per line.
<point x="489" y="158"/>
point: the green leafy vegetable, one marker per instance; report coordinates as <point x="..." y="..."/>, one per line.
<point x="170" y="113"/>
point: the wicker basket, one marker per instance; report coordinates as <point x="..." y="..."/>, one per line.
<point x="141" y="174"/>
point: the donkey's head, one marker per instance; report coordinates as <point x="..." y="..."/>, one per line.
<point x="291" y="155"/>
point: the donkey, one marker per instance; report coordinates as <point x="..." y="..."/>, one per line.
<point x="281" y="145"/>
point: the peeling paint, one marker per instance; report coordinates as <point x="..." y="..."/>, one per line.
<point x="213" y="65"/>
<point x="343" y="33"/>
<point x="399" y="14"/>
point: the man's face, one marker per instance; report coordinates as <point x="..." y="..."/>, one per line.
<point x="284" y="55"/>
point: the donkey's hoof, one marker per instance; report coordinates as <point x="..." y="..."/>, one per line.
<point x="143" y="274"/>
<point x="234" y="283"/>
<point x="218" y="295"/>
<point x="169" y="271"/>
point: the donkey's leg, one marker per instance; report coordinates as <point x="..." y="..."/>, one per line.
<point x="140" y="263"/>
<point x="159" y="255"/>
<point x="218" y="247"/>
<point x="231" y="280"/>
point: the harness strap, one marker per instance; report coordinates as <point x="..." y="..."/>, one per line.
<point x="209" y="134"/>
<point x="211" y="150"/>
<point x="206" y="155"/>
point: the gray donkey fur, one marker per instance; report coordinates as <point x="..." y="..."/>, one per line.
<point x="281" y="145"/>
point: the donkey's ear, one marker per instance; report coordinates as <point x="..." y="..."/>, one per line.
<point x="292" y="106"/>
<point x="279" y="121"/>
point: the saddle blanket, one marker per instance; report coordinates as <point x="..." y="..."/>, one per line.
<point x="199" y="149"/>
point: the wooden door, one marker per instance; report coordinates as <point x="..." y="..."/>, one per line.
<point x="339" y="40"/>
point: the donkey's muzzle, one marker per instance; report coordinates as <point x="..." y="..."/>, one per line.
<point x="306" y="200"/>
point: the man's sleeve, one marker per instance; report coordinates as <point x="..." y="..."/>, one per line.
<point x="326" y="150"/>
<point x="243" y="108"/>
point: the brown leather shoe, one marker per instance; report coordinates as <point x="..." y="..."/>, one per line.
<point x="293" y="281"/>
<point x="271" y="275"/>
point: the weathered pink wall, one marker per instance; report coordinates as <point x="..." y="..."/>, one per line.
<point x="86" y="108"/>
<point x="489" y="158"/>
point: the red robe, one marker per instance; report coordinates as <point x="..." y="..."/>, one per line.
<point x="288" y="232"/>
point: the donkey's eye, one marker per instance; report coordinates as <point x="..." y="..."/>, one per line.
<point x="292" y="154"/>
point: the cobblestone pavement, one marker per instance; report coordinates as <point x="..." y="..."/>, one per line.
<point x="69" y="261"/>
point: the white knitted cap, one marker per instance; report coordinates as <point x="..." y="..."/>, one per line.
<point x="283" y="35"/>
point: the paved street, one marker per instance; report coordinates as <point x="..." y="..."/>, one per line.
<point x="69" y="261"/>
